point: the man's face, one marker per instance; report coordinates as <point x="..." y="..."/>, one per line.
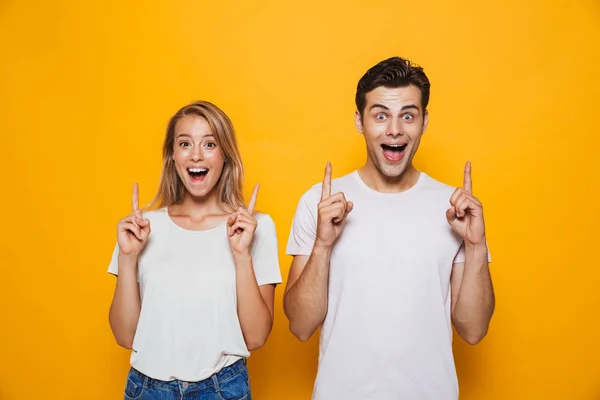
<point x="392" y="123"/>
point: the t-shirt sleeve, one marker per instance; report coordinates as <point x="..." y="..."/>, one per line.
<point x="304" y="227"/>
<point x="265" y="256"/>
<point x="113" y="267"/>
<point x="460" y="256"/>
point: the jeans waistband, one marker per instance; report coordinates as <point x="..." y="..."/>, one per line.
<point x="222" y="376"/>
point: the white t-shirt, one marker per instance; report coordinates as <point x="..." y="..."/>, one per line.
<point x="188" y="327"/>
<point x="387" y="334"/>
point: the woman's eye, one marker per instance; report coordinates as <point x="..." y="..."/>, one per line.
<point x="211" y="145"/>
<point x="184" y="144"/>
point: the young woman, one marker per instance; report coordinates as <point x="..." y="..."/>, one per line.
<point x="196" y="277"/>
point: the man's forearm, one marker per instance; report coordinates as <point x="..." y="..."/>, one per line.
<point x="475" y="302"/>
<point x="305" y="302"/>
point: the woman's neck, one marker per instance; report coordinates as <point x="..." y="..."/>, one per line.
<point x="199" y="214"/>
<point x="200" y="207"/>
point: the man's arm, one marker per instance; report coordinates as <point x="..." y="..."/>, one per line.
<point x="473" y="299"/>
<point x="472" y="292"/>
<point x="305" y="298"/>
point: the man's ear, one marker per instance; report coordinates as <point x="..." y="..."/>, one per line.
<point x="358" y="121"/>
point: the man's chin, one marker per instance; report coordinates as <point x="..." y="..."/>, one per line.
<point x="392" y="171"/>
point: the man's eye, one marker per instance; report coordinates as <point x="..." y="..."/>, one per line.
<point x="407" y="117"/>
<point x="380" y="117"/>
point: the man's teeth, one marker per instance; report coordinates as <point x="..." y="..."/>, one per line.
<point x="394" y="146"/>
<point x="197" y="170"/>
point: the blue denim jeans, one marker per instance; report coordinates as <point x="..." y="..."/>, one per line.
<point x="231" y="383"/>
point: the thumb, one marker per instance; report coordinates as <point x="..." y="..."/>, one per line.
<point x="231" y="219"/>
<point x="349" y="207"/>
<point x="451" y="215"/>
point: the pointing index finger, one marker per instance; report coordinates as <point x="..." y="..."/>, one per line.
<point x="252" y="203"/>
<point x="467" y="183"/>
<point x="135" y="199"/>
<point x="326" y="182"/>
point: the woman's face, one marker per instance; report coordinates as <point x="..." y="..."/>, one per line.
<point x="198" y="159"/>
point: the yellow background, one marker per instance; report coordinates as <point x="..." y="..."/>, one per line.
<point x="86" y="89"/>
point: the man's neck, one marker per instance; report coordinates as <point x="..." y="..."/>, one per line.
<point x="374" y="179"/>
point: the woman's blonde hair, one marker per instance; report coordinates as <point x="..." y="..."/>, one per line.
<point x="172" y="190"/>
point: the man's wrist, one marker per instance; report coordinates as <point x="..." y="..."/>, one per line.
<point x="476" y="251"/>
<point x="320" y="248"/>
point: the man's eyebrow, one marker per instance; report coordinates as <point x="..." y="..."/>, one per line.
<point x="406" y="107"/>
<point x="409" y="106"/>
<point x="378" y="105"/>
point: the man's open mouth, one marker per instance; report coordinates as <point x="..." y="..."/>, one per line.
<point x="393" y="152"/>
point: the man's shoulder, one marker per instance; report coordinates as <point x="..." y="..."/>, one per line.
<point x="433" y="186"/>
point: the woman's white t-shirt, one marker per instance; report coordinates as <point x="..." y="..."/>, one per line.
<point x="188" y="327"/>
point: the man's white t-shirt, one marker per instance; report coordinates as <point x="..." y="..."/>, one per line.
<point x="188" y="327"/>
<point x="387" y="334"/>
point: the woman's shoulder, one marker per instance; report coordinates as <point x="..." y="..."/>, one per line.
<point x="156" y="214"/>
<point x="264" y="220"/>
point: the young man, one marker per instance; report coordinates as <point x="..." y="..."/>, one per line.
<point x="386" y="258"/>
